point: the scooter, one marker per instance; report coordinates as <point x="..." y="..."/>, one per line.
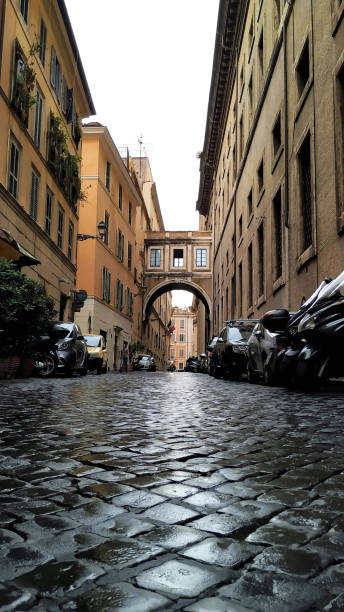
<point x="303" y="353"/>
<point x="45" y="357"/>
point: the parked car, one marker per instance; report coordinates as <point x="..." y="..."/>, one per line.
<point x="210" y="353"/>
<point x="97" y="353"/>
<point x="230" y="351"/>
<point x="144" y="362"/>
<point x="260" y="345"/>
<point x="71" y="348"/>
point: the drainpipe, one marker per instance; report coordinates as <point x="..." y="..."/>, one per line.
<point x="286" y="160"/>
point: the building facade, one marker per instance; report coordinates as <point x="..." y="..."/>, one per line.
<point x="182" y="343"/>
<point x="271" y="186"/>
<point x="43" y="97"/>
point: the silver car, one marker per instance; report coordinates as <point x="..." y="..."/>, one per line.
<point x="260" y="347"/>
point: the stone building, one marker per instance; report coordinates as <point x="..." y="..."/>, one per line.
<point x="182" y="343"/>
<point x="272" y="172"/>
<point x="44" y="95"/>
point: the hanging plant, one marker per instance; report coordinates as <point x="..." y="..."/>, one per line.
<point x="24" y="83"/>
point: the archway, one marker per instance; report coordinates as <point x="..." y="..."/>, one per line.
<point x="170" y="285"/>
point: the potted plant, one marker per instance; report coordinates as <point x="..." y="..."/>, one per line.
<point x="25" y="312"/>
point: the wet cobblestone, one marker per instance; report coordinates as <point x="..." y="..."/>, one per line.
<point x="168" y="491"/>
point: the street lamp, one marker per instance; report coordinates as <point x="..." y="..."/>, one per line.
<point x="101" y="227"/>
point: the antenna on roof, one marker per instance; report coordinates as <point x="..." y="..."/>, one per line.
<point x="140" y="141"/>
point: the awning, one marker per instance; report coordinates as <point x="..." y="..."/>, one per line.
<point x="11" y="249"/>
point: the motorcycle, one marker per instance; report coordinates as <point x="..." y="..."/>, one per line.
<point x="171" y="367"/>
<point x="44" y="354"/>
<point x="310" y="341"/>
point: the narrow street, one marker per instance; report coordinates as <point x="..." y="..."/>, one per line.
<point x="170" y="491"/>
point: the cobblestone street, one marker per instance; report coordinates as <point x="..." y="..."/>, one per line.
<point x="170" y="491"/>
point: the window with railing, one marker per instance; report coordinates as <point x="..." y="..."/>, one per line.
<point x="13" y="169"/>
<point x="304" y="161"/>
<point x="261" y="276"/>
<point x="277" y="219"/>
<point x="48" y="211"/>
<point x="120" y="245"/>
<point x="34" y="194"/>
<point x="106" y="285"/>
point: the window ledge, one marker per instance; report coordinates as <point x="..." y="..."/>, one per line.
<point x="261" y="301"/>
<point x="276" y="158"/>
<point x="278" y="284"/>
<point x="303" y="98"/>
<point x="260" y="195"/>
<point x="305" y="257"/>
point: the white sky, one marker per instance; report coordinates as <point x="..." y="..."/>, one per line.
<point x="149" y="68"/>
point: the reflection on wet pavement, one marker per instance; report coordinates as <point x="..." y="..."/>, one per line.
<point x="160" y="491"/>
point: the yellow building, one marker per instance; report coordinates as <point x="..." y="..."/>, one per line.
<point x="182" y="343"/>
<point x="271" y="187"/>
<point x="44" y="95"/>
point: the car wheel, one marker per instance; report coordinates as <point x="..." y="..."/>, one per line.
<point x="83" y="371"/>
<point x="48" y="367"/>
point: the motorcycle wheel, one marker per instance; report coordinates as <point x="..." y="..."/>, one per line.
<point x="307" y="375"/>
<point x="48" y="367"/>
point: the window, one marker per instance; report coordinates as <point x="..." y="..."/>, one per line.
<point x="234" y="163"/>
<point x="250" y="95"/>
<point x="55" y="73"/>
<point x="178" y="258"/>
<point x="181" y="366"/>
<point x="201" y="258"/>
<point x="130" y="250"/>
<point x="260" y="176"/>
<point x="171" y="354"/>
<point x="250" y="277"/>
<point x="181" y="337"/>
<point x="226" y="313"/>
<point x="339" y="144"/>
<point x="241" y="137"/>
<point x="119" y="295"/>
<point x="261" y="56"/>
<point x="135" y="275"/>
<point x="233" y="296"/>
<point x="181" y="353"/>
<point x="277" y="220"/>
<point x="60" y="223"/>
<point x="304" y="161"/>
<point x="261" y="279"/>
<point x="38" y="119"/>
<point x="250" y="204"/>
<point x="24" y="9"/>
<point x="107" y="178"/>
<point x="48" y="211"/>
<point x="106" y="285"/>
<point x="227" y="258"/>
<point x="106" y="228"/>
<point x="34" y="194"/>
<point x="13" y="171"/>
<point x="70" y="240"/>
<point x="277" y="135"/>
<point x="250" y="37"/>
<point x="130" y="209"/>
<point x="233" y="246"/>
<point x="42" y="42"/>
<point x="120" y="246"/>
<point x="129" y="303"/>
<point x="155" y="258"/>
<point x="240" y="226"/>
<point x="120" y="197"/>
<point x="181" y="323"/>
<point x="302" y="69"/>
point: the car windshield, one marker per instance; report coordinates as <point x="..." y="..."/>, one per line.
<point x="144" y="358"/>
<point x="92" y="340"/>
<point x="239" y="333"/>
<point x="63" y="330"/>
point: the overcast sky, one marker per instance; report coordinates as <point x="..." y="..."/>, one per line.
<point x="148" y="65"/>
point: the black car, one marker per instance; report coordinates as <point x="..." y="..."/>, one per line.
<point x="230" y="351"/>
<point x="71" y="348"/>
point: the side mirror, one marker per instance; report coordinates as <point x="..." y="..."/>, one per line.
<point x="276" y="320"/>
<point x="220" y="341"/>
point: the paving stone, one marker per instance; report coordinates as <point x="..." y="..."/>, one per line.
<point x="173" y="536"/>
<point x="287" y="498"/>
<point x="209" y="499"/>
<point x="274" y="533"/>
<point x="332" y="578"/>
<point x="336" y="605"/>
<point x="222" y="524"/>
<point x="206" y="482"/>
<point x="93" y="512"/>
<point x="56" y="579"/>
<point x="269" y="592"/>
<point x="44" y="525"/>
<point x="235" y="474"/>
<point x="105" y="490"/>
<point x="122" y="552"/>
<point x="215" y="604"/>
<point x="170" y="513"/>
<point x="10" y="484"/>
<point x="222" y="551"/>
<point x="181" y="579"/>
<point x="9" y="538"/>
<point x="30" y="509"/>
<point x="317" y="519"/>
<point x="125" y="524"/>
<point x="105" y="476"/>
<point x="19" y="559"/>
<point x="85" y="470"/>
<point x="142" y="482"/>
<point x="176" y="475"/>
<point x="175" y="490"/>
<point x="71" y="500"/>
<point x="12" y="598"/>
<point x="121" y="596"/>
<point x="332" y="543"/>
<point x="252" y="509"/>
<point x="138" y="499"/>
<point x="299" y="562"/>
<point x="68" y="542"/>
<point x="238" y="489"/>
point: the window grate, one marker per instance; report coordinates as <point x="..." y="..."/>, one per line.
<point x="277" y="202"/>
<point x="261" y="259"/>
<point x="306" y="192"/>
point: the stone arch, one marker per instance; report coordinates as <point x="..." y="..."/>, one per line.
<point x="170" y="285"/>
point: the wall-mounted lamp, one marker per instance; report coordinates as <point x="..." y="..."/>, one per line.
<point x="101" y="227"/>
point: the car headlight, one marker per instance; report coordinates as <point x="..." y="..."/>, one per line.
<point x="64" y="346"/>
